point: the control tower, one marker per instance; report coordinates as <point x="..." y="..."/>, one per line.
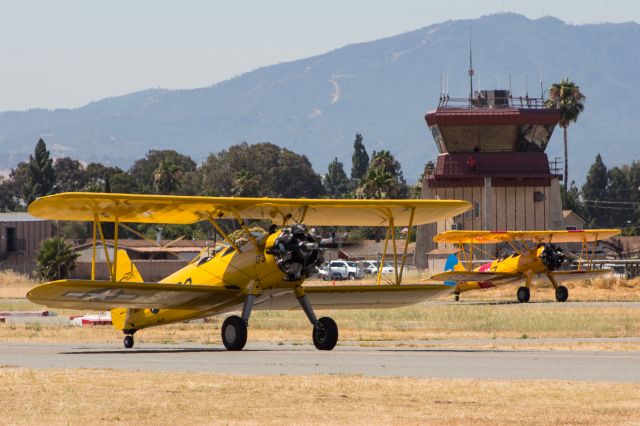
<point x="491" y="153"/>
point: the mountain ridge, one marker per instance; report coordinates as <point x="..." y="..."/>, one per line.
<point x="380" y="88"/>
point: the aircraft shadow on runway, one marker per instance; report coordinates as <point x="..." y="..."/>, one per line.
<point x="154" y="351"/>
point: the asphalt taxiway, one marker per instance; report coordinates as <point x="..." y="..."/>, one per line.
<point x="266" y="358"/>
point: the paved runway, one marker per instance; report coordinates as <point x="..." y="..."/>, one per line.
<point x="263" y="358"/>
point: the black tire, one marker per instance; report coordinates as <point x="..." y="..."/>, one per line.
<point x="234" y="333"/>
<point x="326" y="336"/>
<point x="456" y="297"/>
<point x="352" y="276"/>
<point x="523" y="294"/>
<point x="562" y="293"/>
<point x="128" y="341"/>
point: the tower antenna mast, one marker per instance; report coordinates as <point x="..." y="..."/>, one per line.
<point x="471" y="72"/>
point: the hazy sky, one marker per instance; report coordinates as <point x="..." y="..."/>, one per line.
<point x="66" y="53"/>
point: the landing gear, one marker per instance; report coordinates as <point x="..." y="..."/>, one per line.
<point x="523" y="294"/>
<point x="325" y="334"/>
<point x="234" y="333"/>
<point x="234" y="328"/>
<point x="128" y="341"/>
<point x="562" y="293"/>
<point x="456" y="297"/>
<point x="325" y="330"/>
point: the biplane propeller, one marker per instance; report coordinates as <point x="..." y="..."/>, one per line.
<point x="264" y="272"/>
<point x="536" y="255"/>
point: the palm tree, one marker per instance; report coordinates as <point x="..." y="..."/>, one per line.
<point x="166" y="178"/>
<point x="567" y="98"/>
<point x="56" y="259"/>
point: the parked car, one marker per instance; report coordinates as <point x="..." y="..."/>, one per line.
<point x="342" y="270"/>
<point x="372" y="266"/>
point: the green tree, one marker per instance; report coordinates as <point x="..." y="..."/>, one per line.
<point x="359" y="159"/>
<point x="41" y="176"/>
<point x="98" y="178"/>
<point x="143" y="170"/>
<point x="567" y="98"/>
<point x="336" y="183"/>
<point x="56" y="259"/>
<point x="594" y="190"/>
<point x="166" y="178"/>
<point x="618" y="189"/>
<point x="70" y="175"/>
<point x="573" y="201"/>
<point x="12" y="189"/>
<point x="383" y="178"/>
<point x="260" y="170"/>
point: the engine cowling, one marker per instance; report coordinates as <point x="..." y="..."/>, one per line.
<point x="552" y="257"/>
<point x="297" y="252"/>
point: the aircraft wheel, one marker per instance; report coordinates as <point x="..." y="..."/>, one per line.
<point x="524" y="294"/>
<point x="234" y="333"/>
<point x="562" y="293"/>
<point x="128" y="341"/>
<point x="326" y="336"/>
<point x="457" y="297"/>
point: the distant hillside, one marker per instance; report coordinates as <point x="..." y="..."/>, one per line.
<point x="381" y="89"/>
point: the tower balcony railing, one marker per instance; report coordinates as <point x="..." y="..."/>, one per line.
<point x="491" y="102"/>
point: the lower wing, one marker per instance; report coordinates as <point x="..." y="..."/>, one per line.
<point x="476" y="276"/>
<point x="356" y="296"/>
<point x="105" y="295"/>
<point x="579" y="275"/>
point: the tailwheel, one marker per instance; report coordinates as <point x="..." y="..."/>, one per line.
<point x="562" y="293"/>
<point x="234" y="333"/>
<point x="524" y="294"/>
<point x="128" y="341"/>
<point x="325" y="334"/>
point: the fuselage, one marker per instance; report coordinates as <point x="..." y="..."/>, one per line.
<point x="528" y="262"/>
<point x="249" y="268"/>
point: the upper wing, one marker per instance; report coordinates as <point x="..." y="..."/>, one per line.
<point x="493" y="237"/>
<point x="86" y="206"/>
<point x="465" y="276"/>
<point x="105" y="295"/>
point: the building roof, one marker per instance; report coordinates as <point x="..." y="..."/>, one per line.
<point x="567" y="213"/>
<point x="19" y="217"/>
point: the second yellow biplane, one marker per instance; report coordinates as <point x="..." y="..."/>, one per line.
<point x="536" y="255"/>
<point x="268" y="271"/>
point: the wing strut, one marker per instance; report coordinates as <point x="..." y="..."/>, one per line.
<point x="224" y="234"/>
<point x="391" y="235"/>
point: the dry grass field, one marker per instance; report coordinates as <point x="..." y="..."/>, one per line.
<point x="107" y="397"/>
<point x="81" y="396"/>
<point x="484" y="314"/>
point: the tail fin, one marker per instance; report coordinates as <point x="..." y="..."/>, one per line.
<point x="126" y="271"/>
<point x="452" y="264"/>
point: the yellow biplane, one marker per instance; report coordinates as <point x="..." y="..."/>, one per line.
<point x="536" y="255"/>
<point x="266" y="272"/>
